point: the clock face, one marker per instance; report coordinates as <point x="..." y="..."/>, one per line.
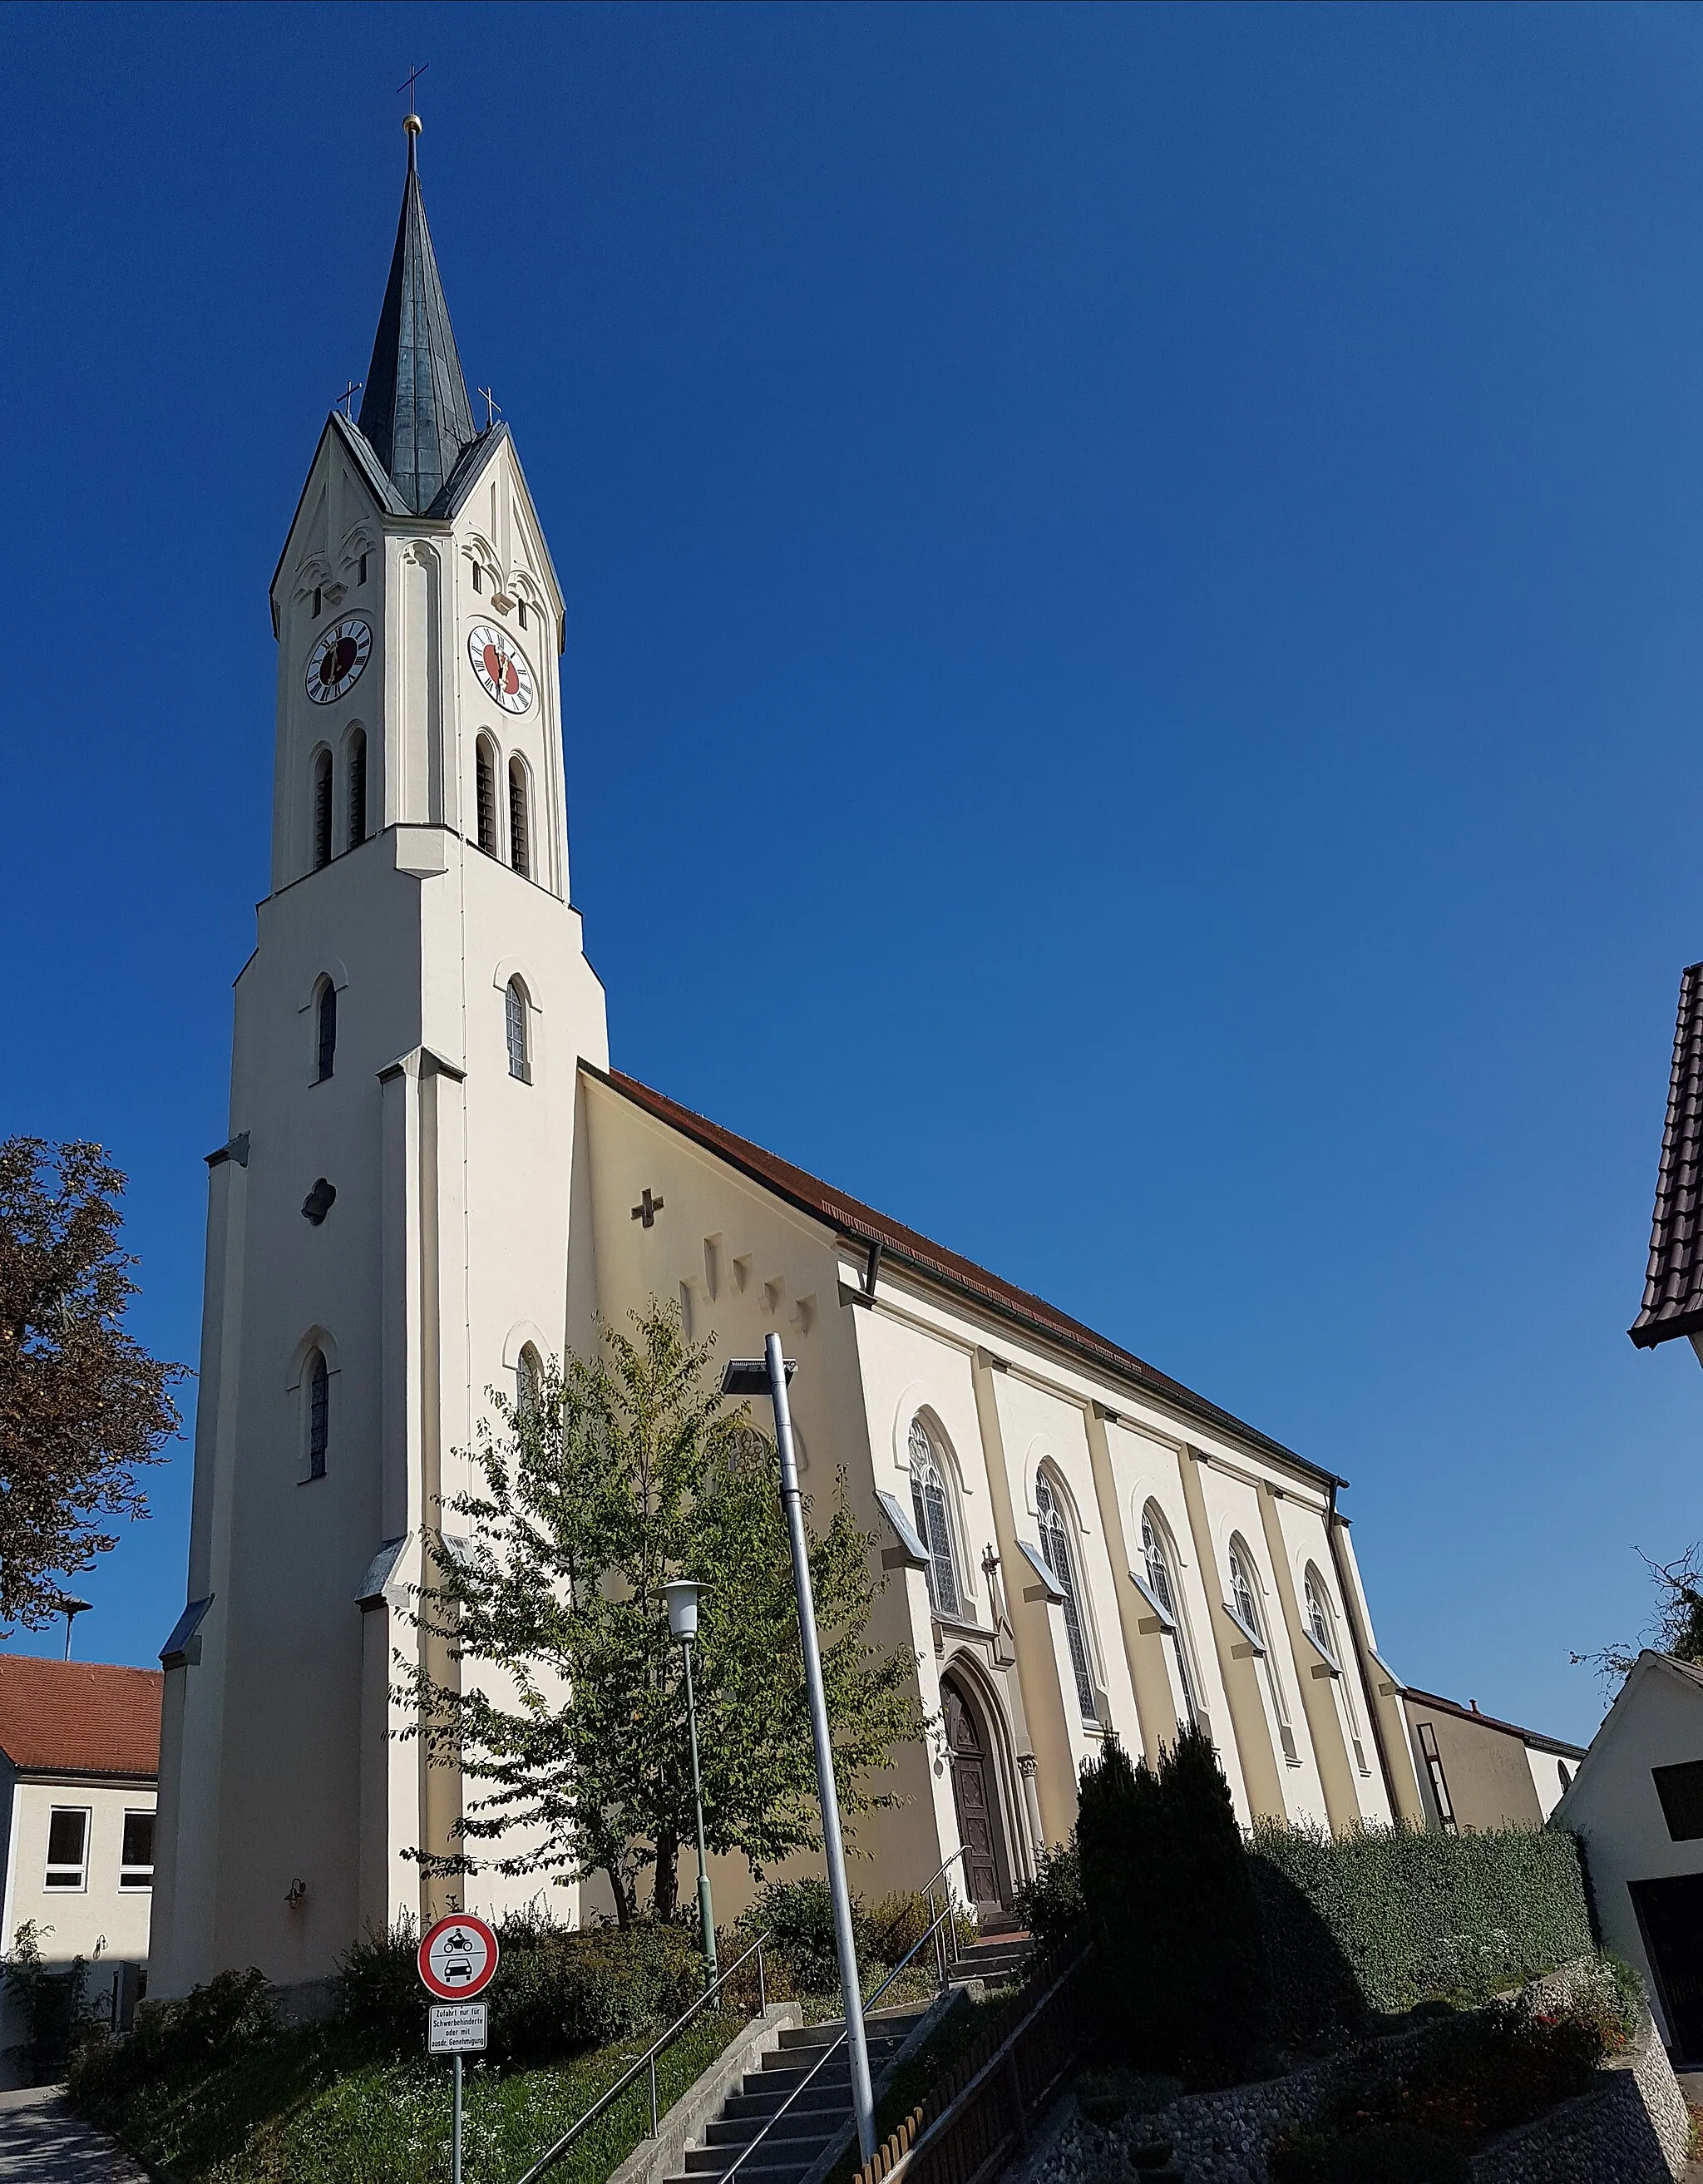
<point x="334" y="664"/>
<point x="501" y="668"/>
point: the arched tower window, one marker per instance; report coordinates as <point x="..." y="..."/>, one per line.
<point x="322" y="810"/>
<point x="520" y="836"/>
<point x="1156" y="1552"/>
<point x="327" y="1028"/>
<point x="933" y="1521"/>
<point x="319" y="1414"/>
<point x="529" y="1384"/>
<point x="515" y="1010"/>
<point x="1244" y="1596"/>
<point x="356" y="788"/>
<point x="485" y="794"/>
<point x="1056" y="1548"/>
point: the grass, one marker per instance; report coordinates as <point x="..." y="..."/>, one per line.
<point x="308" y="2104"/>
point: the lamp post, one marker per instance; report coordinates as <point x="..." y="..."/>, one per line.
<point x="683" y="1598"/>
<point x="768" y="1375"/>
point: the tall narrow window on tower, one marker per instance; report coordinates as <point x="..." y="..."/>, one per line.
<point x="519" y="844"/>
<point x="327" y="1030"/>
<point x="485" y="795"/>
<point x="322" y="810"/>
<point x="319" y="1414"/>
<point x="356" y="788"/>
<point x="520" y="1057"/>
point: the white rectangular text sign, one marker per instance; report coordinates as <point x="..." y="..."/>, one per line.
<point x="456" y="2028"/>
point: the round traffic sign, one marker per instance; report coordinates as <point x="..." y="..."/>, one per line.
<point x="456" y="1957"/>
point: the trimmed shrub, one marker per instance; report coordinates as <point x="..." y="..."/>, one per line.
<point x="1180" y="1959"/>
<point x="1051" y="1905"/>
<point x="556" y="1990"/>
<point x="570" y="1991"/>
<point x="174" y="2044"/>
<point x="1382" y="1918"/>
<point x="798" y="1915"/>
<point x="898" y="1923"/>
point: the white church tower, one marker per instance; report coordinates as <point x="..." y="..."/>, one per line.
<point x="389" y="1225"/>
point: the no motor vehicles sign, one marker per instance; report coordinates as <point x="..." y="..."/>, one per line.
<point x="456" y="1957"/>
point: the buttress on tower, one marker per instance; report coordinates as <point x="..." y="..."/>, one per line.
<point x="389" y="1225"/>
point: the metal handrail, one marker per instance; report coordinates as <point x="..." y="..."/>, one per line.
<point x="648" y="2060"/>
<point x="928" y="1893"/>
<point x="828" y="2053"/>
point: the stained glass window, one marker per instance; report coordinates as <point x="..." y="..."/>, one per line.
<point x="514" y="1005"/>
<point x="319" y="1415"/>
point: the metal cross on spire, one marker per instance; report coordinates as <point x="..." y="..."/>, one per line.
<point x="347" y="397"/>
<point x="493" y="408"/>
<point x="414" y="76"/>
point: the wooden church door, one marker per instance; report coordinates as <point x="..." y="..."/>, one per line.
<point x="972" y="1794"/>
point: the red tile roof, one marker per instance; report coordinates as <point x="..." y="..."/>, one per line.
<point x="79" y="1716"/>
<point x="1674" y="1286"/>
<point x="851" y="1217"/>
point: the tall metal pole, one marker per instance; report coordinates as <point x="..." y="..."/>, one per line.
<point x="456" y="2170"/>
<point x="857" y="2047"/>
<point x="706" y="1916"/>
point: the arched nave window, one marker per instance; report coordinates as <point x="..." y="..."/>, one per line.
<point x="1055" y="1546"/>
<point x="1244" y="1595"/>
<point x="933" y="1522"/>
<point x="356" y="788"/>
<point x="1322" y="1623"/>
<point x="520" y="836"/>
<point x="325" y="1028"/>
<point x="485" y="794"/>
<point x="515" y="1012"/>
<point x="318" y="1383"/>
<point x="322" y="810"/>
<point x="1158" y="1554"/>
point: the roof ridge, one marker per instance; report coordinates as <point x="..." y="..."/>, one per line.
<point x="840" y="1210"/>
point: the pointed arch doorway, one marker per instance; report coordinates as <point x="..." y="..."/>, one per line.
<point x="975" y="1798"/>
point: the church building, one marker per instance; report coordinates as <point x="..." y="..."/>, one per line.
<point x="434" y="1179"/>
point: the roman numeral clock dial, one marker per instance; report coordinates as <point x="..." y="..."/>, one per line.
<point x="501" y="668"/>
<point x="336" y="662"/>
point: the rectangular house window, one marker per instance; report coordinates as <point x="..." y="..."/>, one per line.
<point x="136" y="1867"/>
<point x="68" y="1847"/>
<point x="1439" y="1787"/>
<point x="1681" y="1792"/>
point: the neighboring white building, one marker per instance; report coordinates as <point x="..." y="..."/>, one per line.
<point x="431" y="1177"/>
<point x="79" y="1766"/>
<point x="1636" y="1804"/>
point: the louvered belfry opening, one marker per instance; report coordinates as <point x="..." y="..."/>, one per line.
<point x="322" y="810"/>
<point x="515" y="1019"/>
<point x="520" y="847"/>
<point x="356" y="788"/>
<point x="485" y="784"/>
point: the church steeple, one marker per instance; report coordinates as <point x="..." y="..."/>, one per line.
<point x="414" y="410"/>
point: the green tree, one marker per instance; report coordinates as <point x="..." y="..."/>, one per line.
<point x="1676" y="1627"/>
<point x="1180" y="1959"/>
<point x="82" y="1405"/>
<point x="617" y="1473"/>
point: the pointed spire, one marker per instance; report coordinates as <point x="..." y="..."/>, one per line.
<point x="415" y="409"/>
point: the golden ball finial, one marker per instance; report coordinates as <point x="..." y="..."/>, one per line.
<point x="413" y="123"/>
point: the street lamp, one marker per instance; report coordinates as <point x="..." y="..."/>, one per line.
<point x="768" y="1375"/>
<point x="682" y="1596"/>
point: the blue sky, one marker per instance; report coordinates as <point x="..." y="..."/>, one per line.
<point x="1139" y="572"/>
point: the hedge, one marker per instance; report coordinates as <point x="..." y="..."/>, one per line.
<point x="1384" y="1918"/>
